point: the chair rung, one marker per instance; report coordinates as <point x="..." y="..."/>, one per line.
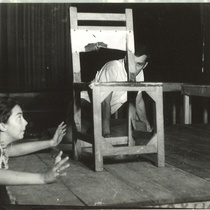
<point x="102" y="28"/>
<point x="126" y="150"/>
<point x="117" y="140"/>
<point x="101" y="16"/>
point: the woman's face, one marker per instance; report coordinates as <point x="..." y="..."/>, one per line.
<point x="16" y="124"/>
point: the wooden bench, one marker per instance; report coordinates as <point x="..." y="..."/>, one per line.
<point x="189" y="90"/>
<point x="172" y="87"/>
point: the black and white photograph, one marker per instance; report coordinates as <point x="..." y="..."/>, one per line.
<point x="104" y="104"/>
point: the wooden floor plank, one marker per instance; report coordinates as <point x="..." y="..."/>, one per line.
<point x="204" y="127"/>
<point x="185" y="166"/>
<point x="98" y="188"/>
<point x="187" y="147"/>
<point x="185" y="186"/>
<point x="192" y="159"/>
<point x="185" y="131"/>
<point x="127" y="182"/>
<point x="197" y="146"/>
<point x="200" y="148"/>
<point x="153" y="190"/>
<point x="34" y="194"/>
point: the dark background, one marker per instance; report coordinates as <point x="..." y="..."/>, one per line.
<point x="173" y="33"/>
<point x="35" y="48"/>
<point x="34" y="40"/>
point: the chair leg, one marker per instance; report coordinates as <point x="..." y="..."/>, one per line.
<point x="131" y="122"/>
<point x="98" y="159"/>
<point x="160" y="131"/>
<point x="97" y="124"/>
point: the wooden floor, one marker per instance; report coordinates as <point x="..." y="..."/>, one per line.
<point x="133" y="182"/>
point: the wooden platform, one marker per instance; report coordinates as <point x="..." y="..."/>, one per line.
<point x="134" y="182"/>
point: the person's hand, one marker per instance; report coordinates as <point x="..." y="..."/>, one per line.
<point x="95" y="46"/>
<point x="149" y="129"/>
<point x="56" y="170"/>
<point x="107" y="135"/>
<point x="59" y="134"/>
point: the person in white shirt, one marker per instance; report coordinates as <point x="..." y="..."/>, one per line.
<point x="114" y="71"/>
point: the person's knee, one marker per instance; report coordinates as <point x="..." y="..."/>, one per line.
<point x="86" y="120"/>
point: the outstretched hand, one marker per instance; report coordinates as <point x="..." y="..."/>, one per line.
<point x="56" y="170"/>
<point x="59" y="134"/>
<point x="149" y="128"/>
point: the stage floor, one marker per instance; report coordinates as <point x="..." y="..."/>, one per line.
<point x="132" y="182"/>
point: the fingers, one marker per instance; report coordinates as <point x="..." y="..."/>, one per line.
<point x="61" y="129"/>
<point x="63" y="174"/>
<point x="149" y="129"/>
<point x="59" y="171"/>
<point x="61" y="162"/>
<point x="58" y="157"/>
<point x="60" y="165"/>
<point x="107" y="135"/>
<point x="60" y="133"/>
<point x="62" y="169"/>
<point x="62" y="126"/>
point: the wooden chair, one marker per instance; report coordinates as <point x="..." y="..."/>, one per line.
<point x="120" y="37"/>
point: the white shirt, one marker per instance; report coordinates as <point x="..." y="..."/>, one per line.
<point x="113" y="71"/>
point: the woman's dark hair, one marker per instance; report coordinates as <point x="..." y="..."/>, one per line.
<point x="6" y="106"/>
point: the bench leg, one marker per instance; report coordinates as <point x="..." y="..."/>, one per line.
<point x="160" y="130"/>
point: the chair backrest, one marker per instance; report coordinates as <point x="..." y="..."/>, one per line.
<point x="115" y="30"/>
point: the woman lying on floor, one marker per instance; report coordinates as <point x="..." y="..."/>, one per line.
<point x="12" y="128"/>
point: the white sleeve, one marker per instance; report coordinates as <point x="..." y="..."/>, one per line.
<point x="109" y="72"/>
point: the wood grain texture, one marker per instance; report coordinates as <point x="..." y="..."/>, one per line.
<point x="127" y="181"/>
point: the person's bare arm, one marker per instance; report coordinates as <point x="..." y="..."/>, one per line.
<point x="106" y="116"/>
<point x="141" y="111"/>
<point x="10" y="177"/>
